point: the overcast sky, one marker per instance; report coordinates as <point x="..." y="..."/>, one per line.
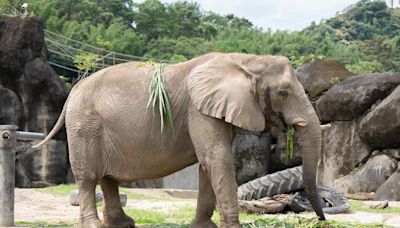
<point x="276" y="14"/>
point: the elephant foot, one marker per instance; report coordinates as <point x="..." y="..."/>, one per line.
<point x="203" y="224"/>
<point x="90" y="223"/>
<point x="122" y="222"/>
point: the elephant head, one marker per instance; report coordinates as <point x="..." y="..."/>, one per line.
<point x="253" y="92"/>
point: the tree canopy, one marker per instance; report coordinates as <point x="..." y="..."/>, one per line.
<point x="365" y="35"/>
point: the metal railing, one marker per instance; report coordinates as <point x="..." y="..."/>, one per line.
<point x="8" y="140"/>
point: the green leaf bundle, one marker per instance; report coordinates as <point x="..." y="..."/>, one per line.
<point x="289" y="143"/>
<point x="159" y="97"/>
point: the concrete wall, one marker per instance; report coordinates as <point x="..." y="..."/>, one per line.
<point x="187" y="178"/>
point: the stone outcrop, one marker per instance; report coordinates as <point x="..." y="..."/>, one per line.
<point x="31" y="97"/>
<point x="355" y="96"/>
<point x="342" y="151"/>
<point x="369" y="177"/>
<point x="318" y="76"/>
<point x="390" y="189"/>
<point x="380" y="128"/>
<point x="251" y="152"/>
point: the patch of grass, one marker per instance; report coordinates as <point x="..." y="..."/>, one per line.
<point x="356" y="205"/>
<point x="145" y="217"/>
<point x="59" y="190"/>
<point x="40" y="224"/>
<point x="299" y="222"/>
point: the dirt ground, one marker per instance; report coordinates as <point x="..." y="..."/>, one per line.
<point x="32" y="205"/>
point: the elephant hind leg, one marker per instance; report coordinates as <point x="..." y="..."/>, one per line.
<point x="87" y="203"/>
<point x="205" y="202"/>
<point x="114" y="215"/>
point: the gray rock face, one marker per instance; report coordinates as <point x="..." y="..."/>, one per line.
<point x="355" y="95"/>
<point x="390" y="189"/>
<point x="380" y="128"/>
<point x="42" y="167"/>
<point x="31" y="97"/>
<point x="369" y="177"/>
<point x="11" y="108"/>
<point x="342" y="151"/>
<point x="251" y="152"/>
<point x="317" y="77"/>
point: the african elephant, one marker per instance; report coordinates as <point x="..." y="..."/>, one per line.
<point x="113" y="138"/>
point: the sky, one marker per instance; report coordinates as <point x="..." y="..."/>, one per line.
<point x="289" y="15"/>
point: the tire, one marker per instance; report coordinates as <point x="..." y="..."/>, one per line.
<point x="281" y="182"/>
<point x="333" y="201"/>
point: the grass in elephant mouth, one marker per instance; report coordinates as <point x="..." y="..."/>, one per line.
<point x="289" y="143"/>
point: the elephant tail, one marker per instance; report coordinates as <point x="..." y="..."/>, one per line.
<point x="56" y="128"/>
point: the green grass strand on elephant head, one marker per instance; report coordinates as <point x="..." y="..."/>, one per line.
<point x="159" y="94"/>
<point x="289" y="143"/>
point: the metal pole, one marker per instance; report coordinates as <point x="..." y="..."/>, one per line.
<point x="7" y="174"/>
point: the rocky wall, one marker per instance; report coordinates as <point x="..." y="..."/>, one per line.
<point x="361" y="151"/>
<point x="31" y="97"/>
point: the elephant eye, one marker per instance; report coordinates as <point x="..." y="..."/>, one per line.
<point x="283" y="93"/>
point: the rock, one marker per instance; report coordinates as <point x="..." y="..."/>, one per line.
<point x="380" y="128"/>
<point x="31" y="97"/>
<point x="41" y="167"/>
<point x="74" y="198"/>
<point x="390" y="189"/>
<point x="318" y="76"/>
<point x="361" y="195"/>
<point x="11" y="108"/>
<point x="355" y="95"/>
<point x="377" y="204"/>
<point x="251" y="155"/>
<point x="342" y="150"/>
<point x="394" y="153"/>
<point x="369" y="177"/>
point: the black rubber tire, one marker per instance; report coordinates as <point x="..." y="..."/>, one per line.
<point x="337" y="202"/>
<point x="281" y="182"/>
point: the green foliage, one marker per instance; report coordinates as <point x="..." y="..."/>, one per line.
<point x="86" y="61"/>
<point x="159" y="96"/>
<point x="289" y="143"/>
<point x="334" y="80"/>
<point x="365" y="67"/>
<point x="365" y="36"/>
<point x="178" y="58"/>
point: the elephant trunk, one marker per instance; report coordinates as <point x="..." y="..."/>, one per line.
<point x="310" y="140"/>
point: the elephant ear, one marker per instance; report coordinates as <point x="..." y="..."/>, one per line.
<point x="223" y="89"/>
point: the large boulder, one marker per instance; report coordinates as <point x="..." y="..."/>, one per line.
<point x="11" y="111"/>
<point x="355" y="95"/>
<point x="251" y="152"/>
<point x="342" y="150"/>
<point x="42" y="167"/>
<point x="380" y="128"/>
<point x="390" y="189"/>
<point x="31" y="96"/>
<point x="318" y="76"/>
<point x="369" y="177"/>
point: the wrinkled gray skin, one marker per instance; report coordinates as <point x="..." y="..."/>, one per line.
<point x="112" y="138"/>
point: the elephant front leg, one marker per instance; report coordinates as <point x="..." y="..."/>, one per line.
<point x="212" y="141"/>
<point x="205" y="202"/>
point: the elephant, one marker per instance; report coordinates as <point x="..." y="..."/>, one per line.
<point x="113" y="137"/>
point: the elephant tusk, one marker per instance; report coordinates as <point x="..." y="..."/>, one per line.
<point x="325" y="126"/>
<point x="302" y="124"/>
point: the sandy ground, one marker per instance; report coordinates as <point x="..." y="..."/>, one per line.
<point x="32" y="205"/>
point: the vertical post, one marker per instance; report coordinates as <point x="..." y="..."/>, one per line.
<point x="7" y="174"/>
